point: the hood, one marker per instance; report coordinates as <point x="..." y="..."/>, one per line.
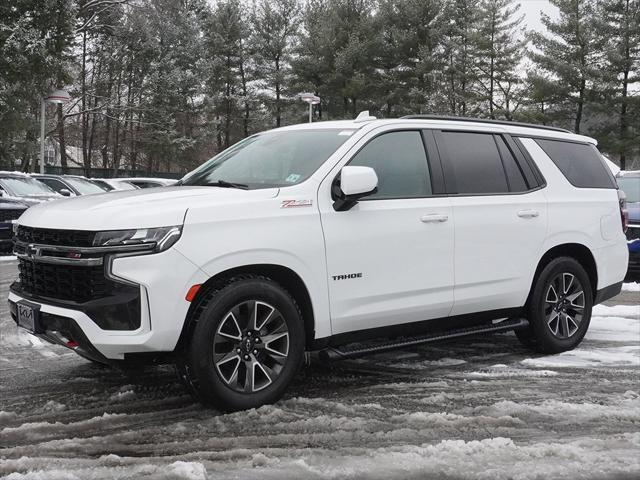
<point x="12" y="204"/>
<point x="145" y="208"/>
<point x="34" y="199"/>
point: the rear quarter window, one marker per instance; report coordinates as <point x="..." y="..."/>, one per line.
<point x="580" y="163"/>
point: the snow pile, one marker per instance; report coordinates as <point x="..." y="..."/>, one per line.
<point x="631" y="287"/>
<point x="614" y="329"/>
<point x="487" y="459"/>
<point x="628" y="355"/>
<point x="564" y="413"/>
<point x="504" y="371"/>
<point x="631" y="311"/>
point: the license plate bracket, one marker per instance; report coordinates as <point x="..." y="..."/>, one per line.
<point x="29" y="316"/>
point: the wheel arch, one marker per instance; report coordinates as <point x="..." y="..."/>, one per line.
<point x="282" y="275"/>
<point x="577" y="251"/>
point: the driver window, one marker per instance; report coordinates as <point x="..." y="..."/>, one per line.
<point x="400" y="161"/>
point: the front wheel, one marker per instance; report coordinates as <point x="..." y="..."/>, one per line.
<point x="559" y="308"/>
<point x="247" y="344"/>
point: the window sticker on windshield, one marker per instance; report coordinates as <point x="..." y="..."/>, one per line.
<point x="293" y="178"/>
<point x="348" y="133"/>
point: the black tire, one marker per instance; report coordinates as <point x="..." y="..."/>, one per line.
<point x="558" y="326"/>
<point x="219" y="381"/>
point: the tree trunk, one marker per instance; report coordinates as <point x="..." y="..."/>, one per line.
<point x="278" y="108"/>
<point x="245" y="95"/>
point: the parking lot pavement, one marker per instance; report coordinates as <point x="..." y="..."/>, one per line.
<point x="481" y="408"/>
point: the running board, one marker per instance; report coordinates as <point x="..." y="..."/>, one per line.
<point x="358" y="349"/>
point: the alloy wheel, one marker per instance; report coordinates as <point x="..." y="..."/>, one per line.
<point x="564" y="305"/>
<point x="251" y="346"/>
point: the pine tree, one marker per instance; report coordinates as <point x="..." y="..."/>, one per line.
<point x="459" y="50"/>
<point x="499" y="53"/>
<point x="274" y="24"/>
<point x="409" y="32"/>
<point x="226" y="35"/>
<point x="572" y="53"/>
<point x="619" y="24"/>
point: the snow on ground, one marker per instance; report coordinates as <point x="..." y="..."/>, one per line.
<point x="483" y="408"/>
<point x="631" y="287"/>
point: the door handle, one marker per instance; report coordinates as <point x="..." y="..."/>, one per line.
<point x="434" y="218"/>
<point x="528" y="213"/>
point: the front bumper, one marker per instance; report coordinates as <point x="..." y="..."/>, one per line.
<point x="162" y="279"/>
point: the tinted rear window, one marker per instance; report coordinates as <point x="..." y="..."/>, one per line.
<point x="476" y="162"/>
<point x="580" y="163"/>
<point x="515" y="176"/>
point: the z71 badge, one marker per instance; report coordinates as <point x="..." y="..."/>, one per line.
<point x="296" y="203"/>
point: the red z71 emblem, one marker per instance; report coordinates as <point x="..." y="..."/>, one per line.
<point x="296" y="203"/>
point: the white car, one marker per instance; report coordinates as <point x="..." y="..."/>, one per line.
<point x="313" y="237"/>
<point x="148" y="182"/>
<point x="111" y="184"/>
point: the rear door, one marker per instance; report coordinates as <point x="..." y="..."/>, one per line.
<point x="500" y="213"/>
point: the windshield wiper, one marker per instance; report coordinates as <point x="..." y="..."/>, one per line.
<point x="225" y="184"/>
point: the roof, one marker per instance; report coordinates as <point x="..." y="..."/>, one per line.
<point x="444" y="122"/>
<point x="14" y="174"/>
<point x="629" y="173"/>
<point x="485" y="120"/>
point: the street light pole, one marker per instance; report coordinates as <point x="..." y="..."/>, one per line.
<point x="43" y="106"/>
<point x="58" y="96"/>
<point x="312" y="100"/>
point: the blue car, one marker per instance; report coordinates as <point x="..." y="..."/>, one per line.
<point x="10" y="210"/>
<point x="629" y="183"/>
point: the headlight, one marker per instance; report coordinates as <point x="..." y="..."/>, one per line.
<point x="162" y="237"/>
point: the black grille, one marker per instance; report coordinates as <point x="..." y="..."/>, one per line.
<point x="47" y="236"/>
<point x="10" y="214"/>
<point x="633" y="233"/>
<point x="63" y="282"/>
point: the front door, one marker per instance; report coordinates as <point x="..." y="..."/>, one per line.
<point x="390" y="257"/>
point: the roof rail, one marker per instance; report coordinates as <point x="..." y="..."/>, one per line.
<point x="485" y="120"/>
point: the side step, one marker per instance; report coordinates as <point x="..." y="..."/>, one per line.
<point x="357" y="349"/>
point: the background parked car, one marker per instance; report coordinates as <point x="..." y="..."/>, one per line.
<point x="70" y="185"/>
<point x="110" y="184"/>
<point x="10" y="210"/>
<point x="144" y="182"/>
<point x="21" y="186"/>
<point x="629" y="183"/>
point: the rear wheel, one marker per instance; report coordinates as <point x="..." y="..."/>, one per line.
<point x="247" y="344"/>
<point x="559" y="308"/>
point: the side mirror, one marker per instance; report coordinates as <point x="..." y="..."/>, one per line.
<point x="65" y="192"/>
<point x="352" y="184"/>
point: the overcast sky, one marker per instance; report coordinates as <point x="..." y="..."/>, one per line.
<point x="531" y="9"/>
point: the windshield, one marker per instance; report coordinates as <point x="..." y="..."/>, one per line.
<point x="274" y="159"/>
<point x="631" y="188"/>
<point x="85" y="187"/>
<point x="25" y="186"/>
<point x="122" y="185"/>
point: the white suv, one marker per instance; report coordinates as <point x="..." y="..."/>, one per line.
<point x="314" y="237"/>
